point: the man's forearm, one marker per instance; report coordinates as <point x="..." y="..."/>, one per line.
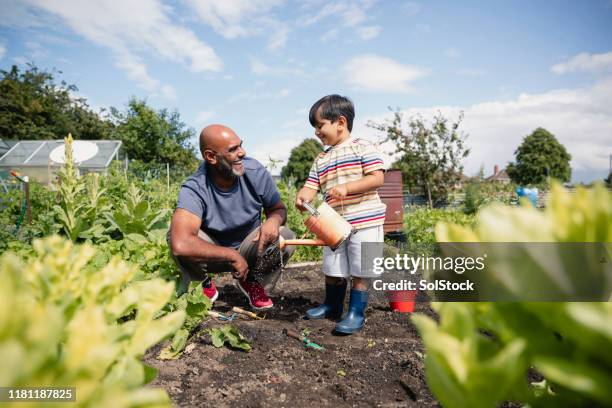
<point x="279" y="215"/>
<point x="196" y="249"/>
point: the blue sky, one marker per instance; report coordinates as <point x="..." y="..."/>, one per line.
<point x="258" y="65"/>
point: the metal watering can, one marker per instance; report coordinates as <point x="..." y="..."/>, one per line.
<point x="329" y="227"/>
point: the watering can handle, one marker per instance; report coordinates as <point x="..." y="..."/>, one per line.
<point x="311" y="209"/>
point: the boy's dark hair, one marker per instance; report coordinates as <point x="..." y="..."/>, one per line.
<point x="331" y="108"/>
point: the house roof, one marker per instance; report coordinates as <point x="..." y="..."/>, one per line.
<point x="500" y="175"/>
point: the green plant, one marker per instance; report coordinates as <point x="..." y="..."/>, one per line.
<point x="136" y="216"/>
<point x="420" y="223"/>
<point x="82" y="201"/>
<point x="65" y="323"/>
<point x="195" y="305"/>
<point x="229" y="334"/>
<point x="479" y="353"/>
<point x="473" y="198"/>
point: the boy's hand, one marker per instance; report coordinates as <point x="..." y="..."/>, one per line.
<point x="305" y="195"/>
<point x="339" y="192"/>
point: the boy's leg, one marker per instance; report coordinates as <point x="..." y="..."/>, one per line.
<point x="355" y="318"/>
<point x="336" y="270"/>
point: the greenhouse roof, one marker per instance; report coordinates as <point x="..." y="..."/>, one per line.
<point x="35" y="153"/>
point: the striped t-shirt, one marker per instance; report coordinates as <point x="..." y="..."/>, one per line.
<point x="343" y="163"/>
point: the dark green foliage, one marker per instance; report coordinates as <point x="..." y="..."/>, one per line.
<point x="540" y="156"/>
<point x="473" y="198"/>
<point x="300" y="161"/>
<point x="34" y="107"/>
<point x="154" y="136"/>
<point x="430" y="156"/>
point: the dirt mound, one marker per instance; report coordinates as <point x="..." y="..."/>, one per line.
<point x="380" y="366"/>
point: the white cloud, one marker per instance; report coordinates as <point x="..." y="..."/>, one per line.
<point x="17" y="14"/>
<point x="19" y="60"/>
<point x="585" y="62"/>
<point x="279" y="38"/>
<point x="233" y="18"/>
<point x="2" y="50"/>
<point x="369" y="32"/>
<point x="137" y="72"/>
<point x="278" y="149"/>
<point x="36" y="50"/>
<point x="350" y="13"/>
<point x="253" y="96"/>
<point x="330" y="34"/>
<point x="243" y="18"/>
<point x="203" y="117"/>
<point x="260" y="68"/>
<point x="132" y="28"/>
<point x="411" y="8"/>
<point x="452" y="53"/>
<point x="376" y="73"/>
<point x="475" y="72"/>
<point x="581" y="119"/>
<point x="134" y="25"/>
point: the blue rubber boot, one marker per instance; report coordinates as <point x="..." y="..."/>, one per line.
<point x="333" y="305"/>
<point x="355" y="318"/>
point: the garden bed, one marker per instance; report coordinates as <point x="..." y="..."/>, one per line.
<point x="380" y="366"/>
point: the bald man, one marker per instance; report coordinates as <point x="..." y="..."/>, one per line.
<point x="217" y="224"/>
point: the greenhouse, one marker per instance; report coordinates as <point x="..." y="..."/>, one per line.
<point x="40" y="159"/>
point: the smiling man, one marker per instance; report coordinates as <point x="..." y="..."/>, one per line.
<point x="217" y="224"/>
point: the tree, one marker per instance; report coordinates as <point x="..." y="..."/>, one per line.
<point x="154" y="136"/>
<point x="300" y="161"/>
<point x="430" y="157"/>
<point x="539" y="157"/>
<point x="33" y="106"/>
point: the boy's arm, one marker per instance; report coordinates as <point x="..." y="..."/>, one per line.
<point x="306" y="194"/>
<point x="370" y="181"/>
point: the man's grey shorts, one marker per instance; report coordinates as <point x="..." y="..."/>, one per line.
<point x="266" y="266"/>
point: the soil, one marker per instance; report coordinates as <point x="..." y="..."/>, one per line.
<point x="381" y="366"/>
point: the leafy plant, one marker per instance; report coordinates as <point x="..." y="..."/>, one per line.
<point x="64" y="323"/>
<point x="479" y="353"/>
<point x="82" y="201"/>
<point x="195" y="305"/>
<point x="229" y="334"/>
<point x="136" y="216"/>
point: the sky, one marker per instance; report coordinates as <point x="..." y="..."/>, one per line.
<point x="258" y="65"/>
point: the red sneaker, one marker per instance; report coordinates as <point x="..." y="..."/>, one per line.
<point x="258" y="299"/>
<point x="211" y="291"/>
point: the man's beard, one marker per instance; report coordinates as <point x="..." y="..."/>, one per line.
<point x="227" y="170"/>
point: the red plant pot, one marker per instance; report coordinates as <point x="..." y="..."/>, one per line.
<point x="402" y="300"/>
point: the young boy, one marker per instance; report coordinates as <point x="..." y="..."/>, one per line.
<point x="348" y="174"/>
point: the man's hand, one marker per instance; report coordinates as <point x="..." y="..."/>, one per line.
<point x="339" y="192"/>
<point x="241" y="267"/>
<point x="268" y="233"/>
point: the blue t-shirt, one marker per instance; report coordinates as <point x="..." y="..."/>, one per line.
<point x="229" y="216"/>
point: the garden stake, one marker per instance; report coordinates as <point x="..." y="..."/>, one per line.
<point x="303" y="339"/>
<point x="241" y="311"/>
